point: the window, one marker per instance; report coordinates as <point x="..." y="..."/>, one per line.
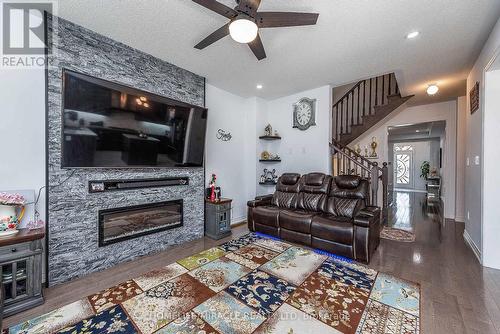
<point x="403" y="164"/>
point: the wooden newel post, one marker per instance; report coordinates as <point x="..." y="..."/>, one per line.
<point x="374" y="183"/>
<point x="385" y="184"/>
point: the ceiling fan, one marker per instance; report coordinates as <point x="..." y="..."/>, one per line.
<point x="245" y="22"/>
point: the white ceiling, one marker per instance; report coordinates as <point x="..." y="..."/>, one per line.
<point x="353" y="39"/>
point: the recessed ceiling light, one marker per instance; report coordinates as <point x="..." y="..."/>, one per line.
<point x="413" y="34"/>
<point x="259" y="86"/>
<point x="432" y="89"/>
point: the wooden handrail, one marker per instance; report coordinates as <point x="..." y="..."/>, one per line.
<point x="348" y="92"/>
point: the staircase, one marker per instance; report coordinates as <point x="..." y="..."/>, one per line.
<point x="362" y="107"/>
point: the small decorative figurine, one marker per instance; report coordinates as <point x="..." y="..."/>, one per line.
<point x="366" y="151"/>
<point x="212" y="188"/>
<point x="358" y="149"/>
<point x="265" y="155"/>
<point x="274" y="177"/>
<point x="268" y="130"/>
<point x="374" y="145"/>
<point x="269" y="176"/>
<point x="274" y="157"/>
<point x="276" y="134"/>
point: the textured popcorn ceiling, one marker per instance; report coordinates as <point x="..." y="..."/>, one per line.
<point x="353" y="40"/>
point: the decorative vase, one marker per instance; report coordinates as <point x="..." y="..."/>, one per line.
<point x="358" y="149"/>
<point x="8" y="217"/>
<point x="7" y="211"/>
<point x="374" y="145"/>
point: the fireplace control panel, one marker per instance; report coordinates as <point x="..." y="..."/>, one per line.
<point x="113" y="185"/>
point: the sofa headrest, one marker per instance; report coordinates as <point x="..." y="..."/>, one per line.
<point x="347" y="181"/>
<point x="350" y="187"/>
<point x="289" y="178"/>
<point x="288" y="182"/>
<point x="315" y="183"/>
<point x="314" y="179"/>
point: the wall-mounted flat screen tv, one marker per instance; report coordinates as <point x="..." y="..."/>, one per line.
<point x="106" y="124"/>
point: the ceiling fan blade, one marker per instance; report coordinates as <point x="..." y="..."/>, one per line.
<point x="249" y="7"/>
<point x="257" y="48"/>
<point x="213" y="37"/>
<point x="285" y="19"/>
<point x="218" y="8"/>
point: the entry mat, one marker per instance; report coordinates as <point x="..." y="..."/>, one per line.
<point x="253" y="284"/>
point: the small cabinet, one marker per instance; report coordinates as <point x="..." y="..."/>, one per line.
<point x="218" y="218"/>
<point x="21" y="271"/>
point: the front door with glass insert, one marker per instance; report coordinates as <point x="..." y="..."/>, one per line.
<point x="403" y="166"/>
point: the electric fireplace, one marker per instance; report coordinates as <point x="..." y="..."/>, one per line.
<point x="125" y="223"/>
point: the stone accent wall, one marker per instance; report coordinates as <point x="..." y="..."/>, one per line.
<point x="72" y="211"/>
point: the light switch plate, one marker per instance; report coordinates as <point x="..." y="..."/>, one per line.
<point x="476" y="159"/>
<point x="468" y="161"/>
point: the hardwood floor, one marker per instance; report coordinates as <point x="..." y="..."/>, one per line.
<point x="458" y="295"/>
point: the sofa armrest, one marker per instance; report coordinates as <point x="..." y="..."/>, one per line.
<point x="370" y="211"/>
<point x="265" y="197"/>
<point x="367" y="216"/>
<point x="260" y="201"/>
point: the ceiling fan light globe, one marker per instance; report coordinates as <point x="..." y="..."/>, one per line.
<point x="243" y="30"/>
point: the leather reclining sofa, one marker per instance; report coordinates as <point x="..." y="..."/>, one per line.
<point x="320" y="211"/>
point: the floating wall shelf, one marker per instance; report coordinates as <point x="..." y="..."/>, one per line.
<point x="270" y="137"/>
<point x="267" y="183"/>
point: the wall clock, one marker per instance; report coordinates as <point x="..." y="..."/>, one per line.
<point x="304" y="113"/>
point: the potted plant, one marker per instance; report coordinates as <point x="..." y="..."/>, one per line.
<point x="425" y="169"/>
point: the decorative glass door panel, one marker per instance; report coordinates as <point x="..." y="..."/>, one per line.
<point x="403" y="166"/>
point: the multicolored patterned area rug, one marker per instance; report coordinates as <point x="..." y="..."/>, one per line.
<point x="253" y="284"/>
<point x="397" y="234"/>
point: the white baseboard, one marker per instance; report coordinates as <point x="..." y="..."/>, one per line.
<point x="410" y="190"/>
<point x="472" y="245"/>
<point x="237" y="220"/>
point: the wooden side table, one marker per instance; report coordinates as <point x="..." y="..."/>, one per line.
<point x="21" y="271"/>
<point x="218" y="218"/>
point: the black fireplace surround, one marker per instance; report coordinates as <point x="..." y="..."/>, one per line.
<point x="119" y="224"/>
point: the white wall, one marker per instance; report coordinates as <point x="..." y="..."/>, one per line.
<point x="232" y="161"/>
<point x="446" y="111"/>
<point x="300" y="151"/>
<point x="22" y="131"/>
<point x="491" y="177"/>
<point x="474" y="144"/>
